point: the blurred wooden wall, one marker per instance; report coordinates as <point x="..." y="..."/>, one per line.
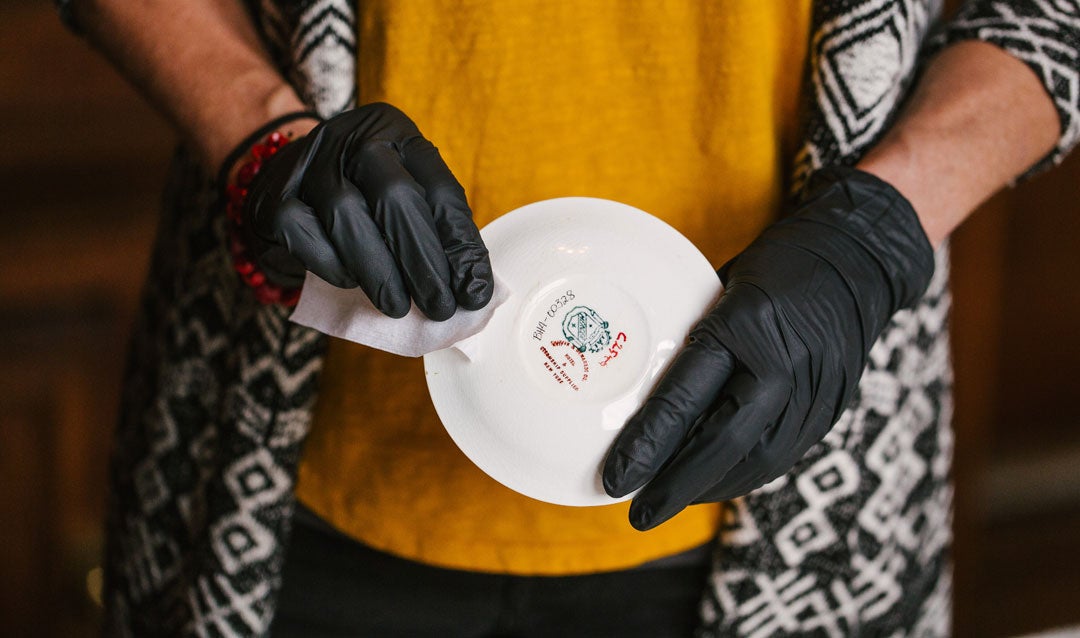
<point x="81" y="166"/>
<point x="82" y="161"/>
<point x="1016" y="351"/>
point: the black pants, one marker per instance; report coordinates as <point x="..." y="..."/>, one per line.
<point x="337" y="587"/>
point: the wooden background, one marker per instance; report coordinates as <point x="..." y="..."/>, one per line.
<point x="82" y="160"/>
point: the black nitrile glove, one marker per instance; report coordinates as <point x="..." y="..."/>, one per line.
<point x="770" y="369"/>
<point x="364" y="199"/>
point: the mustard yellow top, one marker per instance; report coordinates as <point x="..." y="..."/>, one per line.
<point x="683" y="109"/>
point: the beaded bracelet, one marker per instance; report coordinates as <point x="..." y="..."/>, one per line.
<point x="255" y="150"/>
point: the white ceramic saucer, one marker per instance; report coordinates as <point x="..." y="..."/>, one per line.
<point x="602" y="296"/>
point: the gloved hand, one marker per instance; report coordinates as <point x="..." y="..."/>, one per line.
<point x="364" y="199"/>
<point x="770" y="369"/>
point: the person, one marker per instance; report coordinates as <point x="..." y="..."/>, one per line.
<point x="808" y="413"/>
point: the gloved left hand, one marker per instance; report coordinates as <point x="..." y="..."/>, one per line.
<point x="365" y="199"/>
<point x="771" y="368"/>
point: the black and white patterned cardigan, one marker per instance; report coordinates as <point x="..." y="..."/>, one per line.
<point x="219" y="389"/>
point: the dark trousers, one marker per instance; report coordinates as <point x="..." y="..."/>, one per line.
<point x="337" y="587"/>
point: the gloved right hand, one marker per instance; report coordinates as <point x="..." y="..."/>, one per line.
<point x="771" y="368"/>
<point x="364" y="199"/>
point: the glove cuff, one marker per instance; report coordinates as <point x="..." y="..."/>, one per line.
<point x="882" y="221"/>
<point x="866" y="231"/>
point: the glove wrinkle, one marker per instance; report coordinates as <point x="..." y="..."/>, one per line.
<point x="298" y="231"/>
<point x="402" y="214"/>
<point x="723" y="441"/>
<point x="632" y="465"/>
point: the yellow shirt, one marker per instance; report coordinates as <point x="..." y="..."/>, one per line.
<point x="683" y="109"/>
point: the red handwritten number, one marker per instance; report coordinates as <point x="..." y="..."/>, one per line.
<point x="613" y="351"/>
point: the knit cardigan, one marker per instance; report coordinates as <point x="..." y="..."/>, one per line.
<point x="219" y="389"/>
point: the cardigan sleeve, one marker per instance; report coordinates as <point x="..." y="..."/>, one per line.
<point x="1045" y="35"/>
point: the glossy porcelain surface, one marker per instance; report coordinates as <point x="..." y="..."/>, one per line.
<point x="602" y="295"/>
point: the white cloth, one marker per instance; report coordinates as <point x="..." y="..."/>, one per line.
<point x="349" y="314"/>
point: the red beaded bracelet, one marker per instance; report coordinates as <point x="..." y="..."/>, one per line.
<point x="236" y="193"/>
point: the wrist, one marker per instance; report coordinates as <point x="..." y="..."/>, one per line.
<point x="243" y="244"/>
<point x="288" y="126"/>
<point x="895" y="161"/>
<point x="253" y="101"/>
<point x="872" y="229"/>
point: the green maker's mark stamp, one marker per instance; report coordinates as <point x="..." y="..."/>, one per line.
<point x="585" y="330"/>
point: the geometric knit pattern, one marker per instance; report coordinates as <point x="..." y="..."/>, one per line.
<point x="219" y="389"/>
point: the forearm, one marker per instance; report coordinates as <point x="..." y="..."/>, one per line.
<point x="978" y="118"/>
<point x="199" y="62"/>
